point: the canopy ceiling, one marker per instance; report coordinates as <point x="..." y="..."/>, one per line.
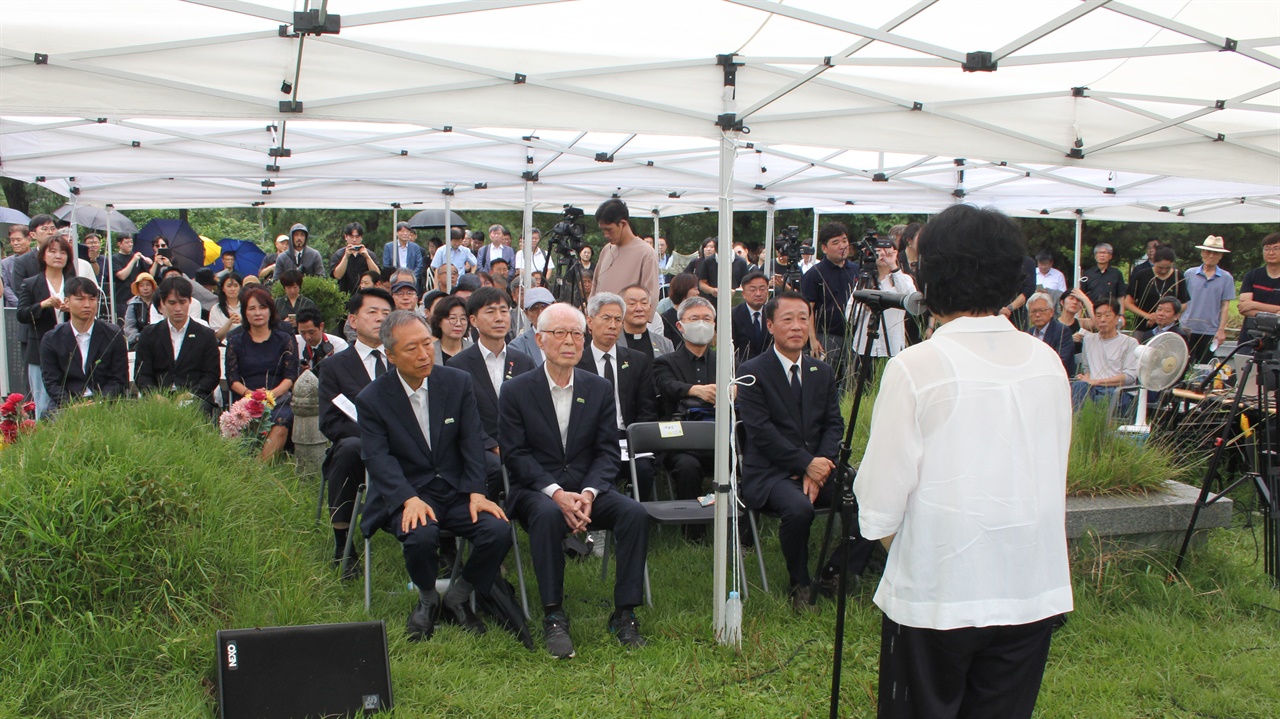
<point x="1103" y="107"/>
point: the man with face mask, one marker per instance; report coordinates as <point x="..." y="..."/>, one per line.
<point x="686" y="380"/>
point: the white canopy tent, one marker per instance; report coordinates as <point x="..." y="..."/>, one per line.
<point x="1144" y="91"/>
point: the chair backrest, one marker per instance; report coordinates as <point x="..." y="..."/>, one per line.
<point x="670" y="437"/>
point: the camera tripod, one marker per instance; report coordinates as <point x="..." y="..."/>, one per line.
<point x="1262" y="453"/>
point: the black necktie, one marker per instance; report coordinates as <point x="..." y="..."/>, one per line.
<point x="796" y="393"/>
<point x="755" y="324"/>
<point x="379" y="366"/>
<point x="608" y="371"/>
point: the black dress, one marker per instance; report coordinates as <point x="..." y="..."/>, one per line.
<point x="264" y="365"/>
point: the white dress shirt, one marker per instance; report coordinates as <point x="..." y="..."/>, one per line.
<point x="1053" y="280"/>
<point x="494" y="363"/>
<point x="176" y="336"/>
<point x="421" y="408"/>
<point x="82" y="341"/>
<point x="56" y="294"/>
<point x="539" y="259"/>
<point x="562" y="402"/>
<point x="599" y="354"/>
<point x="966" y="465"/>
<point x="788" y="364"/>
<point x="367" y="359"/>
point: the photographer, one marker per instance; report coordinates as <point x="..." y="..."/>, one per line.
<point x="352" y="260"/>
<point x="953" y="463"/>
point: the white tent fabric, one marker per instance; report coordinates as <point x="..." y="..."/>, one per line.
<point x="1188" y="88"/>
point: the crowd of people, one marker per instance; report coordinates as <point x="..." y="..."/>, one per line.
<point x="468" y="402"/>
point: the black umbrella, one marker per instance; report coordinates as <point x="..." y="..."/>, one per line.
<point x="187" y="247"/>
<point x="429" y="219"/>
<point x="96" y="218"/>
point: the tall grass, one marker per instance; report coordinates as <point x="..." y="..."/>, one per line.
<point x="1102" y="461"/>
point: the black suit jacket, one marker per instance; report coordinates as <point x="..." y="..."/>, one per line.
<point x="396" y="455"/>
<point x="674" y="374"/>
<point x="530" y="434"/>
<point x="197" y="368"/>
<point x="471" y="361"/>
<point x="341" y="374"/>
<point x="636" y="391"/>
<point x="782" y="439"/>
<point x="65" y="374"/>
<point x="746" y="343"/>
<point x="1058" y="336"/>
<point x="31" y="292"/>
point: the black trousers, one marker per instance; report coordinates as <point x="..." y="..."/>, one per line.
<point x="796" y="512"/>
<point x="492" y="476"/>
<point x="1200" y="347"/>
<point x="546" y="526"/>
<point x="344" y="472"/>
<point x="490" y="539"/>
<point x="968" y="673"/>
<point x="644" y="477"/>
<point x="687" y="471"/>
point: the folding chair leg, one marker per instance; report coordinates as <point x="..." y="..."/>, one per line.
<point x="648" y="595"/>
<point x="604" y="561"/>
<point x="742" y="572"/>
<point x="368" y="573"/>
<point x="515" y="548"/>
<point x="320" y="499"/>
<point x="755" y="536"/>
<point x="355" y="512"/>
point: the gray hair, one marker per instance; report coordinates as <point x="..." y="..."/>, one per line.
<point x="499" y="228"/>
<point x="1040" y="296"/>
<point x="692" y="302"/>
<point x="406" y="275"/>
<point x="544" y="319"/>
<point x="599" y="300"/>
<point x="1103" y="246"/>
<point x="399" y="318"/>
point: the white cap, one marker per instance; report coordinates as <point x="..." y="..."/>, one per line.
<point x="536" y="295"/>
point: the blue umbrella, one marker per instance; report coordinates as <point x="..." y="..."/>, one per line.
<point x="188" y="248"/>
<point x="10" y="216"/>
<point x="248" y="256"/>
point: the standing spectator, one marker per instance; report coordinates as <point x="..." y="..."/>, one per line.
<point x="1150" y="282"/>
<point x="225" y="315"/>
<point x="40" y="230"/>
<point x="1103" y="282"/>
<point x="1150" y="256"/>
<point x="1211" y="289"/>
<point x="179" y="353"/>
<point x="1260" y="288"/>
<point x="228" y="264"/>
<point x="352" y="260"/>
<point x="964" y="482"/>
<point x="459" y="256"/>
<point x="268" y="267"/>
<point x="1109" y="358"/>
<point x="128" y="265"/>
<point x="539" y="257"/>
<point x="892" y="337"/>
<point x="1049" y="278"/>
<point x="300" y="256"/>
<point x="19" y="245"/>
<point x="293" y="301"/>
<point x="404" y="251"/>
<point x="93" y="255"/>
<point x="85" y="357"/>
<point x="41" y="304"/>
<point x="827" y="290"/>
<point x="264" y="356"/>
<point x="807" y="261"/>
<point x="496" y="248"/>
<point x="709" y="268"/>
<point x="664" y="263"/>
<point x="586" y="254"/>
<point x="626" y="260"/>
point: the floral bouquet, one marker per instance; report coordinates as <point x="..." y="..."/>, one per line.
<point x="17" y="416"/>
<point x="249" y="417"/>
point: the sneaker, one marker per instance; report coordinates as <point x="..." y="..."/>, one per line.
<point x="624" y="625"/>
<point x="555" y="627"/>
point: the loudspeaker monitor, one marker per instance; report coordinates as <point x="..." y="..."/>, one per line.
<point x="321" y="670"/>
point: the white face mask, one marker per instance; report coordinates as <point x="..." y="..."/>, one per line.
<point x="698" y="333"/>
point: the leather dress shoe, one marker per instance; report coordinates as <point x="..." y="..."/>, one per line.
<point x="422" y="620"/>
<point x="800" y="595"/>
<point x="462" y="615"/>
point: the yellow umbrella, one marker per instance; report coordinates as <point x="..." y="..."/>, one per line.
<point x="212" y="250"/>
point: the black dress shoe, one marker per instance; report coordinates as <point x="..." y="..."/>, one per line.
<point x="351" y="569"/>
<point x="422" y="620"/>
<point x="462" y="615"/>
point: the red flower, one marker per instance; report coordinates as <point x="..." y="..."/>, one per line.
<point x="254" y="408"/>
<point x="14" y="398"/>
<point x="29" y="407"/>
<point x="9" y="430"/>
<point x="28" y="425"/>
<point x="259" y="395"/>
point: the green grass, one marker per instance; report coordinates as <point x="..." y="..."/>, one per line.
<point x="1103" y="461"/>
<point x="80" y="641"/>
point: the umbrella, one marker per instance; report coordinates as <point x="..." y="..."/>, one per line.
<point x="10" y="216"/>
<point x="248" y="256"/>
<point x="188" y="248"/>
<point x="96" y="218"/>
<point x="212" y="251"/>
<point x="428" y="219"/>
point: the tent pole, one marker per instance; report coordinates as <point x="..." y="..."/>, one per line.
<point x="448" y="241"/>
<point x="111" y="271"/>
<point x="526" y="247"/>
<point x="395" y="220"/>
<point x="657" y="232"/>
<point x="813" y="241"/>
<point x="724" y="372"/>
<point x="769" y="233"/>
<point x="1079" y="237"/>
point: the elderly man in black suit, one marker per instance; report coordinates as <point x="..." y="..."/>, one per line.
<point x="749" y="335"/>
<point x="342" y="377"/>
<point x="1046" y="328"/>
<point x="491" y="362"/>
<point x="629" y="371"/>
<point x="420" y="437"/>
<point x="563" y="479"/>
<point x="792" y="420"/>
<point x="83" y="357"/>
<point x="179" y="353"/>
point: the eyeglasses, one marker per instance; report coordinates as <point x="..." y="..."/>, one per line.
<point x="456" y="320"/>
<point x="559" y="335"/>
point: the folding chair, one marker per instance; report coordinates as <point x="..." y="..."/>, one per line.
<point x="515" y="543"/>
<point x="753" y="516"/>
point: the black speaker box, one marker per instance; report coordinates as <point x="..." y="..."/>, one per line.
<point x="322" y="670"/>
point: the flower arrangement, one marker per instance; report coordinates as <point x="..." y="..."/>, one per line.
<point x="17" y="416"/>
<point x="250" y="417"/>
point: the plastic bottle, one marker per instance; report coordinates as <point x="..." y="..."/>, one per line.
<point x="733" y="619"/>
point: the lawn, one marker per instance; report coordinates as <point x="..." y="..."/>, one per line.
<point x="114" y="603"/>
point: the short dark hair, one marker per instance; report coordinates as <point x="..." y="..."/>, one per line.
<point x="1044" y="256"/>
<point x="259" y="293"/>
<point x="373" y="275"/>
<point x="612" y="212"/>
<point x="164" y="272"/>
<point x="291" y="278"/>
<point x="174" y="283"/>
<point x="772" y="305"/>
<point x="970" y="260"/>
<point x="39" y="220"/>
<point x="80" y="286"/>
<point x="1111" y="302"/>
<point x="430" y="298"/>
<point x="70" y="267"/>
<point x="752" y="276"/>
<point x="496" y="260"/>
<point x="205" y="278"/>
<point x="1271" y="239"/>
<point x="1166" y="253"/>
<point x="1172" y="301"/>
<point x="19" y="230"/>
<point x="456" y="233"/>
<point x="484" y="297"/>
<point x="353" y="228"/>
<point x="312" y="315"/>
<point x="385" y="274"/>
<point x="228" y="252"/>
<point x="680" y="287"/>
<point x="830" y="231"/>
<point x="356" y="303"/>
<point x="442" y="310"/>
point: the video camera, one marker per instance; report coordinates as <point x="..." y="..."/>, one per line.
<point x="863" y="252"/>
<point x="789" y="246"/>
<point x="567" y="235"/>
